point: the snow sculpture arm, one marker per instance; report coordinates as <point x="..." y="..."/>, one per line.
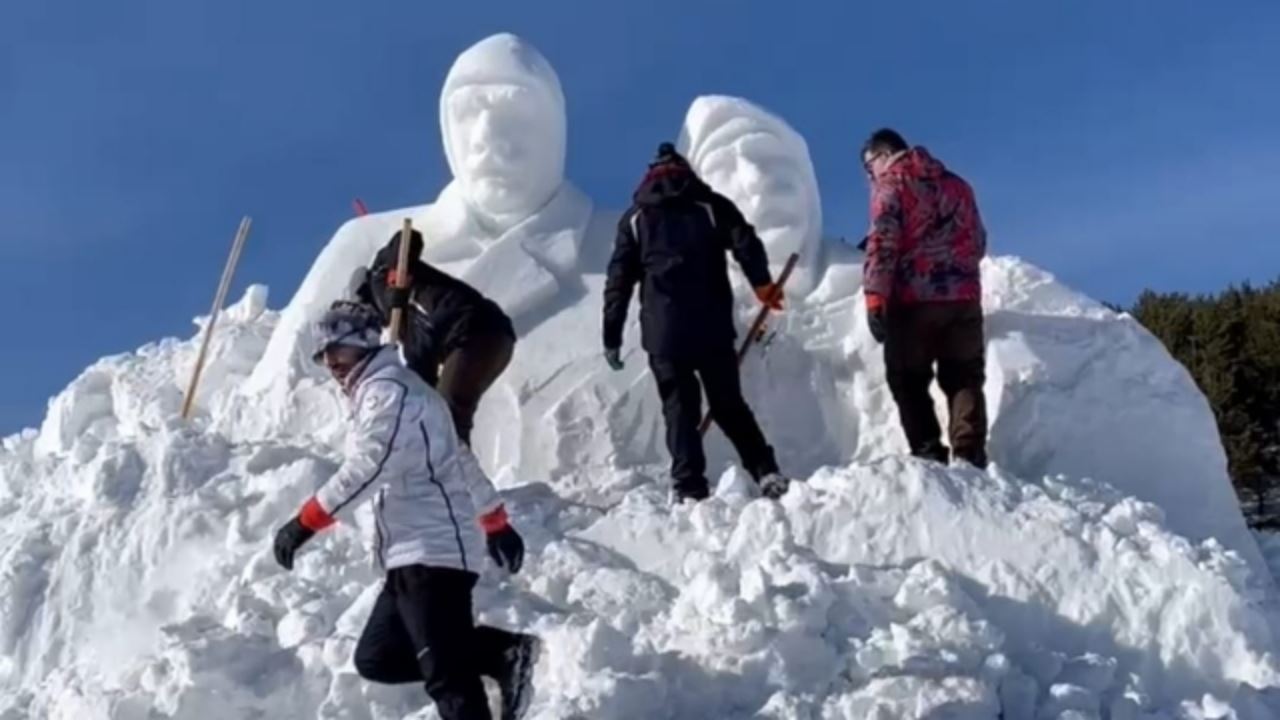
<point x="379" y="417"/>
<point x="624" y="273"/>
<point x="742" y="241"/>
<point x="882" y="242"/>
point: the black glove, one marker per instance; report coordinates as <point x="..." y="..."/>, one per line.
<point x="613" y="356"/>
<point x="398" y="297"/>
<point x="877" y="323"/>
<point x="288" y="539"/>
<point x="506" y="547"/>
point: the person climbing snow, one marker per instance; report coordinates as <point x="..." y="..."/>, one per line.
<point x="426" y="487"/>
<point x="923" y="291"/>
<point x="672" y="241"/>
<point x="456" y="339"/>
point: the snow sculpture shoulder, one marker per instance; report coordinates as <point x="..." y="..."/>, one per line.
<point x="757" y="160"/>
<point x="508" y="224"/>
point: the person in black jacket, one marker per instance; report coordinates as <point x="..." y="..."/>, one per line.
<point x="456" y="339"/>
<point x="672" y="242"/>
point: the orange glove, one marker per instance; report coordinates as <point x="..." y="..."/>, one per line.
<point x="770" y="296"/>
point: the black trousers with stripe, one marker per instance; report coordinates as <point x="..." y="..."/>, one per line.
<point x="681" y="392"/>
<point x="422" y="630"/>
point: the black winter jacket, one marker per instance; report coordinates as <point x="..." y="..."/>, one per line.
<point x="444" y="314"/>
<point x="672" y="241"/>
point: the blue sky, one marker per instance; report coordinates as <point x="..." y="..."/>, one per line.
<point x="1122" y="145"/>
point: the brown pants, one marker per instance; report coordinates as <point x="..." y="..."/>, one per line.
<point x="949" y="334"/>
<point x="467" y="373"/>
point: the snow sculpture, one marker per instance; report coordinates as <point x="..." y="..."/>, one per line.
<point x="508" y="223"/>
<point x="758" y="161"/>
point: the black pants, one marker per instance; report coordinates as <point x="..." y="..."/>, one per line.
<point x="949" y="334"/>
<point x="682" y="408"/>
<point x="422" y="630"/>
<point x="468" y="372"/>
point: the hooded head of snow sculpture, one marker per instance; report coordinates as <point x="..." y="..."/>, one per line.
<point x="758" y="161"/>
<point x="502" y="117"/>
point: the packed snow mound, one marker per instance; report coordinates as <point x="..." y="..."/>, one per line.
<point x="138" y="581"/>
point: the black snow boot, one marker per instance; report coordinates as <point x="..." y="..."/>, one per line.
<point x="683" y="492"/>
<point x="934" y="451"/>
<point x="516" y="681"/>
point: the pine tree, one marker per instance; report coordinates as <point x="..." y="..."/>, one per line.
<point x="1231" y="345"/>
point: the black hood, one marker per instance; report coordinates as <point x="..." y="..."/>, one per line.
<point x="388" y="256"/>
<point x="667" y="180"/>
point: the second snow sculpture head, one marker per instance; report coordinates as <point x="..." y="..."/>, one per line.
<point x="502" y="119"/>
<point x="758" y="161"/>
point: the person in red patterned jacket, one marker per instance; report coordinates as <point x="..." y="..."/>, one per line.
<point x="924" y="294"/>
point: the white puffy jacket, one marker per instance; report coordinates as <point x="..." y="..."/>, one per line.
<point x="428" y="488"/>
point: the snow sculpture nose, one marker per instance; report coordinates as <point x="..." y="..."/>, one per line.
<point x="486" y="137"/>
<point x="754" y="180"/>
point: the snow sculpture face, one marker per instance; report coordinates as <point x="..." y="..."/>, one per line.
<point x="502" y="117"/>
<point x="760" y="163"/>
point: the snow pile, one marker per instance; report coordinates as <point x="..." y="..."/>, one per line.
<point x="138" y="582"/>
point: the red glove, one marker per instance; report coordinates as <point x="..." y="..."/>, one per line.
<point x="495" y="520"/>
<point x="505" y="545"/>
<point x="770" y="296"/>
<point x="313" y="517"/>
<point x="877" y="317"/>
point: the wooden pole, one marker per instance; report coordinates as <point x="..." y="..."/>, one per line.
<point x="756" y="331"/>
<point x="218" y="299"/>
<point x="402" y="277"/>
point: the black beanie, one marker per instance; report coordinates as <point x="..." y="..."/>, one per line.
<point x="668" y="156"/>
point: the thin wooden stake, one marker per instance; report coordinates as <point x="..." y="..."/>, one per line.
<point x="756" y="332"/>
<point x="402" y="277"/>
<point x="223" y="286"/>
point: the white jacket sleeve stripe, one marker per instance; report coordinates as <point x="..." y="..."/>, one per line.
<point x="391" y="442"/>
<point x="431" y="475"/>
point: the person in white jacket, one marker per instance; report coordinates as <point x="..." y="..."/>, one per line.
<point x="431" y="504"/>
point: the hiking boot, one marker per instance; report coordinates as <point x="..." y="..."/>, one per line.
<point x="774" y="485"/>
<point x="516" y="682"/>
<point x="976" y="457"/>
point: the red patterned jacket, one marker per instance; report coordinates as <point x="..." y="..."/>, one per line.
<point x="926" y="237"/>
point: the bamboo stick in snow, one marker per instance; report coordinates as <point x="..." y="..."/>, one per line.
<point x="218" y="299"/>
